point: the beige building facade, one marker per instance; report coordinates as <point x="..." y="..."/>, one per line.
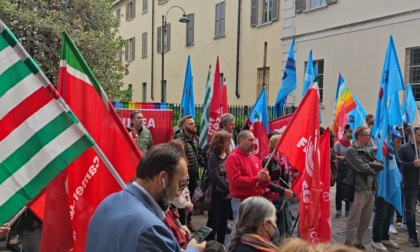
<point x="347" y="36"/>
<point x="233" y="30"/>
<point x="351" y="37"/>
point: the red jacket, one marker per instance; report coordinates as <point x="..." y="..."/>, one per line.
<point x="242" y="170"/>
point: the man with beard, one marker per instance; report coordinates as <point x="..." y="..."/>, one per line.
<point x="188" y="135"/>
<point x="140" y="133"/>
<point x="244" y="171"/>
<point x="131" y="220"/>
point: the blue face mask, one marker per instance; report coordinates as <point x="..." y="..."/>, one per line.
<point x="276" y="235"/>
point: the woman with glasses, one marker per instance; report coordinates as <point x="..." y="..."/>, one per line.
<point x="255" y="228"/>
<point x="220" y="202"/>
<point x="340" y="148"/>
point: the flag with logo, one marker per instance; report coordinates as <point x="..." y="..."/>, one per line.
<point x="300" y="144"/>
<point x="216" y="103"/>
<point x="258" y="122"/>
<point x="409" y="109"/>
<point x="204" y="125"/>
<point x="309" y="74"/>
<point x="39" y="135"/>
<point x="89" y="180"/>
<point x="357" y="116"/>
<point x="342" y="123"/>
<point x="344" y="103"/>
<point x="325" y="233"/>
<point x="187" y="102"/>
<point x="389" y="179"/>
<point x="288" y="83"/>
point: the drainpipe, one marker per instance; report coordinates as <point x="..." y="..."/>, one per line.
<point x="237" y="49"/>
<point x="153" y="51"/>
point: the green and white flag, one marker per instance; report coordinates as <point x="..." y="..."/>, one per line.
<point x="204" y="125"/>
<point x="39" y="135"/>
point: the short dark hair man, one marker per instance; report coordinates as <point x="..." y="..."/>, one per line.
<point x="131" y="220"/>
<point x="141" y="134"/>
<point x="410" y="166"/>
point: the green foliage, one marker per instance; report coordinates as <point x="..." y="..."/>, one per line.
<point x="39" y="24"/>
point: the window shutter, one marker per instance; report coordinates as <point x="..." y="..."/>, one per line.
<point x="158" y="40"/>
<point x="254" y="13"/>
<point x="145" y="5"/>
<point x="300" y="5"/>
<point x="222" y="18"/>
<point x="331" y="1"/>
<point x="275" y="11"/>
<point x="127" y="11"/>
<point x="190" y="29"/>
<point x="126" y="51"/>
<point x="217" y="21"/>
<point x="133" y="49"/>
<point x="168" y="37"/>
<point x="134" y="9"/>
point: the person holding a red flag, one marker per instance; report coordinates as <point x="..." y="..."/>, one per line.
<point x="363" y="165"/>
<point x="246" y="176"/>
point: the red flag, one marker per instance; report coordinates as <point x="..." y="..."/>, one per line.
<point x="280" y="123"/>
<point x="342" y="123"/>
<point x="225" y="105"/>
<point x="215" y="104"/>
<point x="325" y="165"/>
<point x="300" y="144"/>
<point x="89" y="181"/>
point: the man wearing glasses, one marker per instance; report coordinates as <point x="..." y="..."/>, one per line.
<point x="363" y="165"/>
<point x="410" y="165"/>
<point x="131" y="220"/>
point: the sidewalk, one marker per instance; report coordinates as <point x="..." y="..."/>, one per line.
<point x="339" y="227"/>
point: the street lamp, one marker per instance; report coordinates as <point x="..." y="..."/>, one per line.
<point x="183" y="19"/>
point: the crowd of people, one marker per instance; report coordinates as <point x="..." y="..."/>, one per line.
<point x="154" y="212"/>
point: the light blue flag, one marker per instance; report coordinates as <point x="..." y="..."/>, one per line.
<point x="409" y="109"/>
<point x="187" y="102"/>
<point x="357" y="116"/>
<point x="288" y="83"/>
<point x="260" y="110"/>
<point x="394" y="111"/>
<point x="309" y="74"/>
<point x="389" y="179"/>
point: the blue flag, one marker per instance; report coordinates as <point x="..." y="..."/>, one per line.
<point x="309" y="74"/>
<point x="389" y="179"/>
<point x="357" y="116"/>
<point x="288" y="83"/>
<point x="409" y="109"/>
<point x="187" y="102"/>
<point x="260" y="110"/>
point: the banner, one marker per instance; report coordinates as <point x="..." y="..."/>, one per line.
<point x="280" y="123"/>
<point x="158" y="121"/>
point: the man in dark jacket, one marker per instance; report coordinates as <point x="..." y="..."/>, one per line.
<point x="363" y="165"/>
<point x="188" y="134"/>
<point x="410" y="164"/>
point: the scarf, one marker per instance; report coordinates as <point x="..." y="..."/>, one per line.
<point x="282" y="161"/>
<point x="344" y="143"/>
<point x="258" y="242"/>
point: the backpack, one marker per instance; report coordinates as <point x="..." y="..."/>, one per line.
<point x="346" y="177"/>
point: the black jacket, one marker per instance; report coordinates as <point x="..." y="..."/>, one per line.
<point x="406" y="155"/>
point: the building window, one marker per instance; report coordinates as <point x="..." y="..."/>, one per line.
<point x="269" y="11"/>
<point x="144" y="91"/>
<point x="316" y="3"/>
<point x="166" y="38"/>
<point x="130" y="49"/>
<point x="302" y="5"/>
<point x="144" y="45"/>
<point x="220" y="20"/>
<point x="412" y="72"/>
<point x="144" y="6"/>
<point x="190" y="29"/>
<point x="263" y="78"/>
<point x="319" y="68"/>
<point x="118" y="15"/>
<point x="130" y="90"/>
<point x="119" y="54"/>
<point x="130" y="11"/>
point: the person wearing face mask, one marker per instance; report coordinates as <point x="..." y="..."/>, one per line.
<point x="255" y="229"/>
<point x="131" y="220"/>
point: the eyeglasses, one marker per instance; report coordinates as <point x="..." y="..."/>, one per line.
<point x="368" y="135"/>
<point x="183" y="182"/>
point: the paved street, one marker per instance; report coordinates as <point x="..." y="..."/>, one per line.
<point x="339" y="226"/>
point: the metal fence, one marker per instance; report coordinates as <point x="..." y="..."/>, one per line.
<point x="240" y="112"/>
